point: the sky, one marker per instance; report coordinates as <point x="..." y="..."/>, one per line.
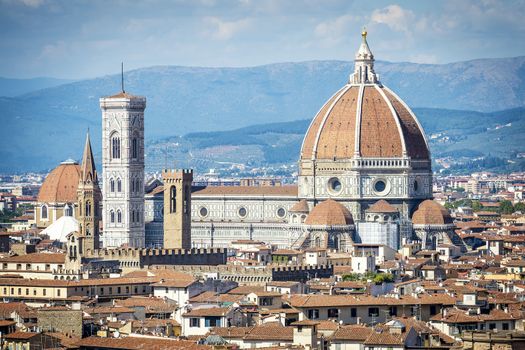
<point x="76" y="39"/>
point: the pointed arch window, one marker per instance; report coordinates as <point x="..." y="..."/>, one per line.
<point x="112" y="185"/>
<point x="119" y="216"/>
<point x="115" y="146"/>
<point x="173" y="199"/>
<point x="68" y="210"/>
<point x="134" y="148"/>
<point x="133" y="216"/>
<point x="88" y="208"/>
<point x="132" y="186"/>
<point x="112" y="216"/>
<point x="119" y="185"/>
<point x="43" y="212"/>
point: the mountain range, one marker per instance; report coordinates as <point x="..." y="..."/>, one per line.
<point x="42" y="127"/>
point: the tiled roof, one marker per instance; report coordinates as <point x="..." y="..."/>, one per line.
<point x="245" y="290"/>
<point x="300" y="207"/>
<point x="208" y="311"/>
<point x="329" y="212"/>
<point x="430" y="212"/>
<point x="61" y="184"/>
<point x="47" y="258"/>
<point x="20" y="335"/>
<point x="136" y="343"/>
<point x="384" y="123"/>
<point x="460" y="316"/>
<point x="356" y="333"/>
<point x="270" y="331"/>
<point x="382" y="206"/>
<point x="287" y="191"/>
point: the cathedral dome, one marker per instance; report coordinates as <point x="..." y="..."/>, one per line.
<point x="364" y="119"/>
<point x="329" y="213"/>
<point x="431" y="212"/>
<point x="61" y="184"/>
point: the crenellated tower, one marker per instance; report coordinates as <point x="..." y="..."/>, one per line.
<point x="89" y="197"/>
<point x="177" y="208"/>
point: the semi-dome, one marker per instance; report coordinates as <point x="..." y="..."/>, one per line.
<point x="430" y="212"/>
<point x="329" y="213"/>
<point x="364" y="119"/>
<point x="61" y="184"/>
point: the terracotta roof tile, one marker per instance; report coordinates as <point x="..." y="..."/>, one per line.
<point x="60" y="184"/>
<point x="430" y="212"/>
<point x="382" y="206"/>
<point x="329" y="212"/>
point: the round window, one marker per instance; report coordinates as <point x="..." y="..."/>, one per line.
<point x="334" y="184"/>
<point x="203" y="211"/>
<point x="242" y="212"/>
<point x="281" y="212"/>
<point x="379" y="186"/>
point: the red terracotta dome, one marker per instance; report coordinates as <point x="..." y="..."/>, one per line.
<point x="364" y="119"/>
<point x="431" y="212"/>
<point x="60" y="186"/>
<point x="329" y="213"/>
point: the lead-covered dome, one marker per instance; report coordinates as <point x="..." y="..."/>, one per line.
<point x="61" y="184"/>
<point x="364" y="119"/>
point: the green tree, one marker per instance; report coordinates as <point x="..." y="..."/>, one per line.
<point x="520" y="207"/>
<point x="476" y="206"/>
<point x="506" y="207"/>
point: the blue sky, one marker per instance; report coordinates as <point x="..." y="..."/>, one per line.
<point x="88" y="38"/>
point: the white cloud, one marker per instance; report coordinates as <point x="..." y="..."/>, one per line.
<point x="334" y="31"/>
<point x="224" y="30"/>
<point x="395" y="17"/>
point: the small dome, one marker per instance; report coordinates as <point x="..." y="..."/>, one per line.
<point x="382" y="206"/>
<point x="61" y="184"/>
<point x="300" y="207"/>
<point x="431" y="212"/>
<point x="330" y="213"/>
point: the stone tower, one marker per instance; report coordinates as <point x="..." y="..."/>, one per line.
<point x="177" y="208"/>
<point x="89" y="196"/>
<point x="123" y="166"/>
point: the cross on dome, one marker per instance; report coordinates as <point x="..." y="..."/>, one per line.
<point x="364" y="64"/>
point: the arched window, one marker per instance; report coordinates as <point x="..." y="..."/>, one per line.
<point x="112" y="216"/>
<point x="88" y="208"/>
<point x="133" y="216"/>
<point x="68" y="210"/>
<point x="43" y="213"/>
<point x="173" y="199"/>
<point x="137" y="186"/>
<point x="119" y="216"/>
<point x="112" y="185"/>
<point x="119" y="185"/>
<point x="115" y="146"/>
<point x="134" y="148"/>
<point x="132" y="186"/>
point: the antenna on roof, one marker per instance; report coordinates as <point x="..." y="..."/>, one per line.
<point x="122" y="76"/>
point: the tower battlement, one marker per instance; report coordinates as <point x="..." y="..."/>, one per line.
<point x="173" y="175"/>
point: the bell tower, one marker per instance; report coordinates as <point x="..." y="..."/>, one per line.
<point x="177" y="208"/>
<point x="123" y="169"/>
<point x="88" y="197"/>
